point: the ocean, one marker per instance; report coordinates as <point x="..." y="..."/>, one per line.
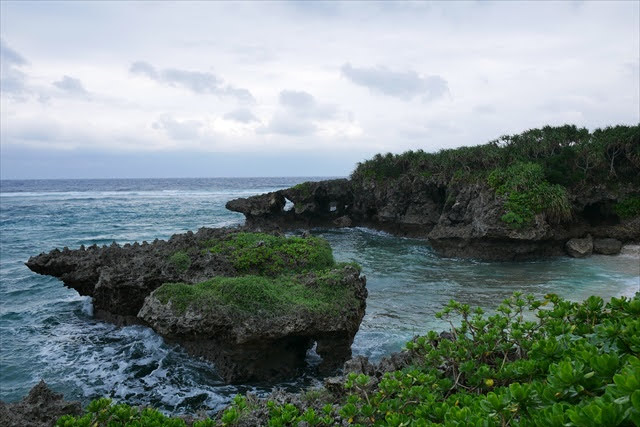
<point x="47" y="331"/>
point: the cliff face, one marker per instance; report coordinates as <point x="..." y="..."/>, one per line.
<point x="460" y="220"/>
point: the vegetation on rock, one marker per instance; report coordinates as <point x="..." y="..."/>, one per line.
<point x="528" y="193"/>
<point x="628" y="208"/>
<point x="531" y="363"/>
<point x="181" y="260"/>
<point x="569" y="155"/>
<point x="262" y="295"/>
<point x="265" y="254"/>
<point x="559" y="160"/>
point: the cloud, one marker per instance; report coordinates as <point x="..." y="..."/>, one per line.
<point x="303" y="104"/>
<point x="298" y="114"/>
<point x="285" y="123"/>
<point x="400" y="84"/>
<point x="10" y="56"/>
<point x="242" y="115"/>
<point x="176" y="129"/>
<point x="144" y="68"/>
<point x="71" y="86"/>
<point x="12" y="79"/>
<point x="195" y="81"/>
<point x="484" y="109"/>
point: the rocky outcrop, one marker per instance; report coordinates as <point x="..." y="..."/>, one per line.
<point x="40" y="408"/>
<point x="313" y="204"/>
<point x="460" y="220"/>
<point x="264" y="346"/>
<point x="267" y="341"/>
<point x="607" y="246"/>
<point x="119" y="278"/>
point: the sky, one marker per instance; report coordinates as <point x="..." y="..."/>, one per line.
<point x="246" y="89"/>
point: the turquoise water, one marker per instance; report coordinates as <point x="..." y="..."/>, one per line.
<point x="47" y="330"/>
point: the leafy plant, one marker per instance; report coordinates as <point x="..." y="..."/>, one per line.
<point x="528" y="193"/>
<point x="547" y="362"/>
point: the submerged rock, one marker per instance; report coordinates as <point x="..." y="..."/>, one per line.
<point x="252" y="303"/>
<point x="40" y="408"/>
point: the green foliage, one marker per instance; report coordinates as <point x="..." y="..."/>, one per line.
<point x="569" y="156"/>
<point x="528" y="193"/>
<point x="265" y="254"/>
<point x="180" y="260"/>
<point x="264" y="295"/>
<point x="628" y="208"/>
<point x="532" y="363"/>
<point x="304" y="189"/>
<point x="104" y="413"/>
<point x="541" y="363"/>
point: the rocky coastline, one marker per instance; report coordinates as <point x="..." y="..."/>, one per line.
<point x="457" y="221"/>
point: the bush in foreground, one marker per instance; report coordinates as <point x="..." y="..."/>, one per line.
<point x="532" y="363"/>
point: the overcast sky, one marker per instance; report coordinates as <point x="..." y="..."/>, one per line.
<point x="126" y="89"/>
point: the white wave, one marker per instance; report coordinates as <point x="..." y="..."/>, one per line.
<point x="630" y="251"/>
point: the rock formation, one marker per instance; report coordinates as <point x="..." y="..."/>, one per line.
<point x="40" y="408"/>
<point x="260" y="301"/>
<point x="265" y="345"/>
<point x="459" y="220"/>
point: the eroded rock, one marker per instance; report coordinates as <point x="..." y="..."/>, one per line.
<point x="580" y="248"/>
<point x="459" y="219"/>
<point x="607" y="246"/>
<point x="271" y="340"/>
<point x="40" y="408"/>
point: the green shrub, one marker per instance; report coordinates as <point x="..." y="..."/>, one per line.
<point x="562" y="364"/>
<point x="628" y="208"/>
<point x="181" y="260"/>
<point x="104" y="413"/>
<point x="528" y="194"/>
<point x="570" y="156"/>
<point x="265" y="254"/>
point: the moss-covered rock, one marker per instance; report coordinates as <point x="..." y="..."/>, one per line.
<point x="265" y="254"/>
<point x="254" y="303"/>
<point x="260" y="327"/>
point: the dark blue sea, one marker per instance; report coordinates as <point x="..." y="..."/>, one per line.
<point x="47" y="331"/>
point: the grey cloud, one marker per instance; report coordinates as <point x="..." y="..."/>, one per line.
<point x="242" y="115"/>
<point x="195" y="81"/>
<point x="12" y="79"/>
<point x="288" y="124"/>
<point x="71" y="85"/>
<point x="295" y="99"/>
<point x="238" y="92"/>
<point x="144" y="68"/>
<point x="10" y="56"/>
<point x="401" y="84"/>
<point x="299" y="112"/>
<point x="176" y="129"/>
<point x="484" y="109"/>
<point x="303" y="104"/>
